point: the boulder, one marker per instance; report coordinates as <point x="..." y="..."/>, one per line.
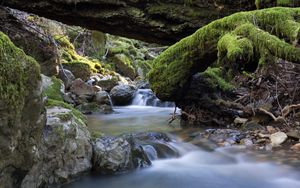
<point x="80" y="88"/>
<point x="278" y="138"/>
<point x="21" y="113"/>
<point x="65" y="153"/>
<point x="28" y="36"/>
<point x="107" y="82"/>
<point x="113" y="155"/>
<point x="124" y="66"/>
<point x="66" y="76"/>
<point x="102" y="97"/>
<point x="122" y="94"/>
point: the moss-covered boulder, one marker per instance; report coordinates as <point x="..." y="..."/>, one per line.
<point x="30" y="37"/>
<point x="238" y="42"/>
<point x="81" y="67"/>
<point x="21" y="113"/>
<point x="124" y="66"/>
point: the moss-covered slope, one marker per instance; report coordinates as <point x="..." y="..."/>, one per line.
<point x="237" y="41"/>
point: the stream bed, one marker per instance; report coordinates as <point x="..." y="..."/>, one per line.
<point x="195" y="167"/>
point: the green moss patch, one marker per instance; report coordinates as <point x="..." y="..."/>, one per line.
<point x="242" y="38"/>
<point x="54" y="90"/>
<point x="19" y="75"/>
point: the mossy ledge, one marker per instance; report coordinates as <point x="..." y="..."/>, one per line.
<point x="19" y="75"/>
<point x="235" y="41"/>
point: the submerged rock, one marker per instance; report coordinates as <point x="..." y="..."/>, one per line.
<point x="116" y="155"/>
<point x="113" y="155"/>
<point x="65" y="153"/>
<point x="122" y="94"/>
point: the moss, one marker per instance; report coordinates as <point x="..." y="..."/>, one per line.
<point x="96" y="134"/>
<point x="271" y="3"/>
<point x="79" y="117"/>
<point x="65" y="116"/>
<point x="81" y="67"/>
<point x="260" y="29"/>
<point x="285" y="2"/>
<point x="232" y="48"/>
<point x="19" y="75"/>
<point x="216" y="79"/>
<point x="98" y="41"/>
<point x="54" y="90"/>
<point x="124" y="66"/>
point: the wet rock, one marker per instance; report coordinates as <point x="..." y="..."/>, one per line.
<point x="294" y="134"/>
<point x="278" y="138"/>
<point x="225" y="135"/>
<point x="122" y="94"/>
<point x="67" y="77"/>
<point x="65" y="153"/>
<point x="113" y="155"/>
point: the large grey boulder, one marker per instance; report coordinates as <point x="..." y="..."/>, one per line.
<point x="122" y="94"/>
<point x="65" y="153"/>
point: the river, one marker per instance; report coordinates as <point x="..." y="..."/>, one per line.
<point x="195" y="167"/>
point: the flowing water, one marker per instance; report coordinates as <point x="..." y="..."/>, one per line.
<point x="194" y="168"/>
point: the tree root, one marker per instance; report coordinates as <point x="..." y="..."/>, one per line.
<point x="285" y="112"/>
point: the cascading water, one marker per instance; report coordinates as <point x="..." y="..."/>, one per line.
<point x="176" y="164"/>
<point x="146" y="97"/>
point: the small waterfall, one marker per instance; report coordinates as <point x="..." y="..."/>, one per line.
<point x="146" y="97"/>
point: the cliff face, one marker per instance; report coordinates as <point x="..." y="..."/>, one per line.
<point x="163" y="22"/>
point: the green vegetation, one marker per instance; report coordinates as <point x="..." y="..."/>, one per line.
<point x="19" y="74"/>
<point x="245" y="37"/>
<point x="54" y="90"/>
<point x="81" y="67"/>
<point x="124" y="66"/>
<point x="216" y="79"/>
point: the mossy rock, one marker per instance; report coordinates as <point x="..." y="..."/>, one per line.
<point x="124" y="66"/>
<point x="81" y="67"/>
<point x="54" y="90"/>
<point x="237" y="42"/>
<point x="19" y="75"/>
<point x="76" y="113"/>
